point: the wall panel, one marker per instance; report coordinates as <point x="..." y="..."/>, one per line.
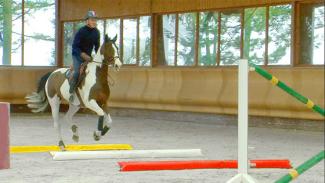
<point x="75" y="9"/>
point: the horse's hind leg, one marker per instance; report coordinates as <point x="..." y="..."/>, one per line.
<point x="73" y="109"/>
<point x="55" y="107"/>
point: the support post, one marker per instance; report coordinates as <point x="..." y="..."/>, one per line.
<point x="242" y="176"/>
<point x="4" y="136"/>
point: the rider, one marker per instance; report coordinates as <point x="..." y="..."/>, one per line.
<point x="85" y="40"/>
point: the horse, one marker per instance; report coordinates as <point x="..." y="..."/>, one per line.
<point x="92" y="92"/>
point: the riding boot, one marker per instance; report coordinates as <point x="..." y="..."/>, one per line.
<point x="72" y="89"/>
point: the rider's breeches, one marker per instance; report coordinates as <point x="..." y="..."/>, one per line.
<point x="77" y="61"/>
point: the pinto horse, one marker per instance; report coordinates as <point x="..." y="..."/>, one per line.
<point x="92" y="93"/>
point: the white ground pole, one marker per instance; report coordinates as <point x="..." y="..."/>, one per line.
<point x="242" y="176"/>
<point x="171" y="153"/>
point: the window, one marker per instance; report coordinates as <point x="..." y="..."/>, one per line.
<point x="137" y="41"/>
<point x="100" y="27"/>
<point x="166" y="39"/>
<point x="230" y="38"/>
<point x="129" y="41"/>
<point x="176" y="39"/>
<point x="11" y="16"/>
<point x="145" y="41"/>
<point x="134" y="43"/>
<point x="113" y="28"/>
<point x="186" y="39"/>
<point x="279" y="45"/>
<point x="255" y="35"/>
<point x="39" y="41"/>
<point x="70" y="29"/>
<point x="311" y="34"/>
<point x="208" y="38"/>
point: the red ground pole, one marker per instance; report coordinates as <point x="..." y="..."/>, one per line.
<point x="4" y="136"/>
<point x="199" y="164"/>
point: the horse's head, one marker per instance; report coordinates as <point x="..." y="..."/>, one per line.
<point x="110" y="52"/>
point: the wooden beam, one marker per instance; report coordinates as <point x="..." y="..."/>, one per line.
<point x="76" y="9"/>
<point x="72" y="10"/>
<point x="58" y="36"/>
<point x="172" y="6"/>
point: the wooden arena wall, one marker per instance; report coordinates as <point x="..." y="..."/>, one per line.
<point x="190" y="89"/>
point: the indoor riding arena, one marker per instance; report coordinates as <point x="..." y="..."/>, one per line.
<point x="162" y="91"/>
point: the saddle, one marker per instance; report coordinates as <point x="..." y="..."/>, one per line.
<point x="82" y="73"/>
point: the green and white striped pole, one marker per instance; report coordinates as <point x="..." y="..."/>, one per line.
<point x="275" y="81"/>
<point x="294" y="173"/>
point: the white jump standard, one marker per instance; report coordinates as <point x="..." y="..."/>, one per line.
<point x="243" y="164"/>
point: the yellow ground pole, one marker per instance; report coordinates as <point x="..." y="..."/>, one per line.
<point x="86" y="147"/>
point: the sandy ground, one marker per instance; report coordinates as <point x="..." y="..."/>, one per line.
<point x="216" y="141"/>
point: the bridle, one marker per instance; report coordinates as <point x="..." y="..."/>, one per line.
<point x="109" y="59"/>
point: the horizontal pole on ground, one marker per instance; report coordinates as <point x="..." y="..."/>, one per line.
<point x="173" y="153"/>
<point x="199" y="164"/>
<point x="85" y="147"/>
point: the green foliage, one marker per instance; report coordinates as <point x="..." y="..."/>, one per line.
<point x="254" y="35"/>
<point x="279" y="31"/>
<point x="208" y="37"/>
<point x="186" y="40"/>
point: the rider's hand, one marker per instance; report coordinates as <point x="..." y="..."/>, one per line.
<point x="85" y="57"/>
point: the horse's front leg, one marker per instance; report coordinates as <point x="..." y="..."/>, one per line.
<point x="107" y="122"/>
<point x="103" y="117"/>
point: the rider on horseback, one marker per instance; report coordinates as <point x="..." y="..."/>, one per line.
<point x="86" y="39"/>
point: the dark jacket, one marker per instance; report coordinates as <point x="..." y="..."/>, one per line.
<point x="85" y="40"/>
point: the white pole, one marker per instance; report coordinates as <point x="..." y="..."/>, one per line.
<point x="243" y="116"/>
<point x="242" y="175"/>
<point x="173" y="153"/>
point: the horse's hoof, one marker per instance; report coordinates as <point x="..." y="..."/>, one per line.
<point x="61" y="145"/>
<point x="97" y="135"/>
<point x="105" y="130"/>
<point x="74" y="128"/>
<point x="75" y="138"/>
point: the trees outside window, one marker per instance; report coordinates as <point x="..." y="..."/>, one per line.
<point x="37" y="45"/>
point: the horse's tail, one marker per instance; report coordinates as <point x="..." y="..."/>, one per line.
<point x="37" y="101"/>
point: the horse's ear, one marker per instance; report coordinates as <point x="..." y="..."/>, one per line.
<point x="115" y="38"/>
<point x="106" y="38"/>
